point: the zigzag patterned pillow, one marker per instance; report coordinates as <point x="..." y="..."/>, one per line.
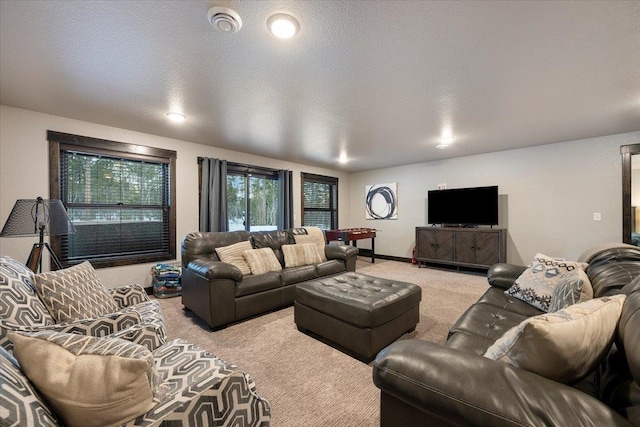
<point x="74" y="293"/>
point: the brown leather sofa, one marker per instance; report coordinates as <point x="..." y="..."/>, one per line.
<point x="425" y="384"/>
<point x="218" y="292"/>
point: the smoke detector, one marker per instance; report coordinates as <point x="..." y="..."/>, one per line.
<point x="224" y="19"/>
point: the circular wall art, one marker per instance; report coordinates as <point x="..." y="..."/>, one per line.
<point x="381" y="201"/>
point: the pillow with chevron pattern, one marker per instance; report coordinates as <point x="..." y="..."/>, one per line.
<point x="535" y="286"/>
<point x="74" y="293"/>
<point x="89" y="381"/>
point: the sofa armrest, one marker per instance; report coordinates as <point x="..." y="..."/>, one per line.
<point x="215" y="269"/>
<point x="470" y="390"/>
<point x="129" y="295"/>
<point x="341" y="252"/>
<point x="503" y="275"/>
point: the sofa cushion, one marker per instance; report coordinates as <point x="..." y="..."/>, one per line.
<point x="535" y="286"/>
<point x="563" y="346"/>
<point x="74" y="293"/>
<point x="19" y="302"/>
<point x="233" y="254"/>
<point x="89" y="381"/>
<point x="262" y="260"/>
<point x="21" y="403"/>
<point x="315" y="236"/>
<point x="257" y="283"/>
<point x="497" y="298"/>
<point x="300" y="254"/>
<point x="293" y="275"/>
<point x="330" y="267"/>
<point x="469" y="343"/>
<point x="487" y="321"/>
<point x="573" y="288"/>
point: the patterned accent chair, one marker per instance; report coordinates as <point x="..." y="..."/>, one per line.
<point x="203" y="390"/>
<point x="138" y="319"/>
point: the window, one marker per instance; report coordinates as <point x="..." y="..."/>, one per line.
<point x="120" y="198"/>
<point x="252" y="198"/>
<point x="319" y="201"/>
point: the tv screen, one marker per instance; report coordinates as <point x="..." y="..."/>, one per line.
<point x="463" y="206"/>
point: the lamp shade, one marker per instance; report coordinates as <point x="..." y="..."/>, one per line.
<point x="29" y="216"/>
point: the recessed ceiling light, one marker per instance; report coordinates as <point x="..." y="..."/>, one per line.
<point x="283" y="26"/>
<point x="446" y="139"/>
<point x="442" y="146"/>
<point x="176" y="117"/>
<point x="343" y="158"/>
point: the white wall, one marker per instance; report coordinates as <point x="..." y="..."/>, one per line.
<point x="548" y="195"/>
<point x="24" y="174"/>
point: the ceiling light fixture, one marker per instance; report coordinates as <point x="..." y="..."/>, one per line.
<point x="283" y="26"/>
<point x="343" y="158"/>
<point x="445" y="140"/>
<point x="176" y="117"/>
<point x="224" y="19"/>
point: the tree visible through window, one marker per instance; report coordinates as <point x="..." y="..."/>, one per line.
<point x="319" y="201"/>
<point x="252" y="198"/>
<point x="121" y="202"/>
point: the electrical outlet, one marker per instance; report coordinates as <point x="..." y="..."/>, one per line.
<point x="597" y="216"/>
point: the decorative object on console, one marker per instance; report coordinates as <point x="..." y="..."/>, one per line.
<point x="89" y="381"/>
<point x="535" y="286"/>
<point x="573" y="340"/>
<point x="381" y="201"/>
<point x="38" y="217"/>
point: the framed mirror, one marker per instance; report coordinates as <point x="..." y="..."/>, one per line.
<point x="631" y="193"/>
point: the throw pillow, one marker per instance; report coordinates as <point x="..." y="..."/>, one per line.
<point x="74" y="293"/>
<point x="573" y="288"/>
<point x="315" y="235"/>
<point x="535" y="286"/>
<point x="563" y="346"/>
<point x="89" y="381"/>
<point x="262" y="260"/>
<point x="300" y="254"/>
<point x="232" y="254"/>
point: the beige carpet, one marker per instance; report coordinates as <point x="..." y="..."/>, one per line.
<point x="307" y="382"/>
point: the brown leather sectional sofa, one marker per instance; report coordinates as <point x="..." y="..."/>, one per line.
<point x="218" y="292"/>
<point x="425" y="384"/>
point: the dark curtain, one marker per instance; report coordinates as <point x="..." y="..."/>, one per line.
<point x="213" y="195"/>
<point x="285" y="198"/>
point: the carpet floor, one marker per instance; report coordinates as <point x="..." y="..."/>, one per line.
<point x="307" y="382"/>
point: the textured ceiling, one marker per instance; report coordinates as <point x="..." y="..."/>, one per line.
<point x="378" y="80"/>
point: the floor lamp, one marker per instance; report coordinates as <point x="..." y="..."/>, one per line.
<point x="38" y="217"/>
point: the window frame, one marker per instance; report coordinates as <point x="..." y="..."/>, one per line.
<point x="320" y="179"/>
<point x="247" y="171"/>
<point x="59" y="142"/>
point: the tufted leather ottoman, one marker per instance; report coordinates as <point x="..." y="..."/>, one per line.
<point x="361" y="313"/>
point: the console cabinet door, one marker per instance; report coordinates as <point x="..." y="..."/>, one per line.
<point x="487" y="248"/>
<point x="444" y="245"/>
<point x="466" y="247"/>
<point x="434" y="244"/>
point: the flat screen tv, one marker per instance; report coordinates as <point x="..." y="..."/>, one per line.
<point x="463" y="206"/>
